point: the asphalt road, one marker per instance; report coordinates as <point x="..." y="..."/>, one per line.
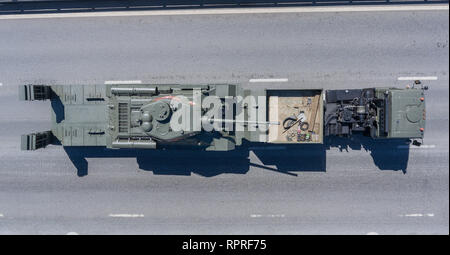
<point x="379" y="188"/>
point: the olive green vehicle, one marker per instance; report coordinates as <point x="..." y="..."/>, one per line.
<point x="139" y="115"/>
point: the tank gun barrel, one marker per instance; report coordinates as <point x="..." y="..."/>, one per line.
<point x="242" y="121"/>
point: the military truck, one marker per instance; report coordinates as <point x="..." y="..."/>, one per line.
<point x="219" y="117"/>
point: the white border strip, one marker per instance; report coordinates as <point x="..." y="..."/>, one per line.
<point x="122" y="82"/>
<point x="313" y="9"/>
<point x="414" y="78"/>
<point x="270" y="80"/>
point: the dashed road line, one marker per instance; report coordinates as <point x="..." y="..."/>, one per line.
<point x="417" y="215"/>
<point x="270" y="80"/>
<point x="267" y="215"/>
<point x="123" y="82"/>
<point x="425" y="146"/>
<point x="422" y="78"/>
<point x="126" y="215"/>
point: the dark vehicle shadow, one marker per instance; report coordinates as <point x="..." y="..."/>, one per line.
<point x="172" y="162"/>
<point x="286" y="159"/>
<point x="186" y="162"/>
<point x="58" y="109"/>
<point x="392" y="154"/>
<point x="292" y="158"/>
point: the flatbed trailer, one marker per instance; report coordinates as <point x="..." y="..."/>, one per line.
<point x="219" y="117"/>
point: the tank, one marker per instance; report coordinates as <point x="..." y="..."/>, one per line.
<point x="219" y="117"/>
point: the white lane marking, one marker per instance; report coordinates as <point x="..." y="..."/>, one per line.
<point x="268" y="148"/>
<point x="276" y="215"/>
<point x="425" y="146"/>
<point x="1" y="84"/>
<point x="269" y="80"/>
<point x="417" y="215"/>
<point x="126" y="215"/>
<point x="312" y="9"/>
<point x="421" y="78"/>
<point x="123" y="82"/>
<point x="1" y="215"/>
<point x="372" y="233"/>
<point x="72" y="233"/>
<point x="267" y="215"/>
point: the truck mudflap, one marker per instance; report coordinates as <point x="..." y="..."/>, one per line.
<point x="34" y="92"/>
<point x="36" y="141"/>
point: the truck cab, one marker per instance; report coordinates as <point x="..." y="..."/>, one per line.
<point x="376" y="112"/>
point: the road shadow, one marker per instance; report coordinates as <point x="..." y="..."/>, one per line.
<point x="57" y="108"/>
<point x="286" y="159"/>
<point x="292" y="158"/>
<point x="172" y="162"/>
<point x="387" y="154"/>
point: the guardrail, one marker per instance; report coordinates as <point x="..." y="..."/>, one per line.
<point x="32" y="6"/>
